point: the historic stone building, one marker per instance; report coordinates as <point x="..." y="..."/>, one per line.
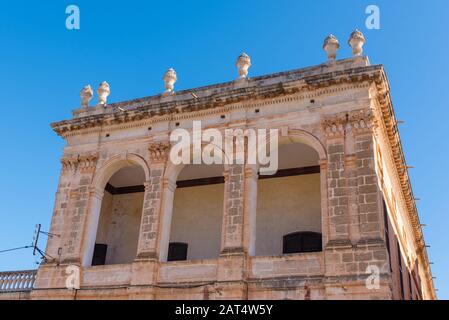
<point x="338" y="220"/>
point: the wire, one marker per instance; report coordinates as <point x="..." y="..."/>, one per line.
<point x="13" y="249"/>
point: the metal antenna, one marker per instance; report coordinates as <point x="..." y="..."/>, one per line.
<point x="37" y="232"/>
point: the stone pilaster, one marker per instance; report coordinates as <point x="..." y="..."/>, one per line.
<point x="149" y="227"/>
<point x="233" y="258"/>
<point x="250" y="210"/>
<point x="369" y="208"/>
<point x="77" y="209"/>
<point x="338" y="213"/>
<point x="69" y="164"/>
<point x="232" y="237"/>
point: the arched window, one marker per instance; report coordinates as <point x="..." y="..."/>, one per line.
<point x="197" y="214"/>
<point x="119" y="222"/>
<point x="302" y="241"/>
<point x="288" y="201"/>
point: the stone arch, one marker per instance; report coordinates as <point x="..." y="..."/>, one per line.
<point x="115" y="163"/>
<point x="302" y="136"/>
<point x="101" y="178"/>
<point x="173" y="170"/>
<point x="171" y="174"/>
<point x="318" y="206"/>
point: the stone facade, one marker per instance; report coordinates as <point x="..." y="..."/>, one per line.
<point x="341" y="109"/>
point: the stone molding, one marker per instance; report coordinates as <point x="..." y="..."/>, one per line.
<point x="166" y="110"/>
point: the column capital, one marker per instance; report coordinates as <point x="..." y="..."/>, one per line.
<point x="159" y="152"/>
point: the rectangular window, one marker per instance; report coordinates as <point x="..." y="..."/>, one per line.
<point x="177" y="251"/>
<point x="297" y="242"/>
<point x="99" y="257"/>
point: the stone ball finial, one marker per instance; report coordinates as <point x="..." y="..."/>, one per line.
<point x="86" y="95"/>
<point x="356" y="41"/>
<point x="243" y="63"/>
<point x="170" y="79"/>
<point x="331" y="45"/>
<point x="103" y="92"/>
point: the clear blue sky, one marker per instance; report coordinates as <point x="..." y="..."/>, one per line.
<point x="130" y="44"/>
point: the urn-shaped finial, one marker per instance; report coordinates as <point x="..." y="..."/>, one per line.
<point x="170" y="79"/>
<point x="331" y="46"/>
<point x="243" y="63"/>
<point x="86" y="95"/>
<point x="103" y="92"/>
<point x="356" y="41"/>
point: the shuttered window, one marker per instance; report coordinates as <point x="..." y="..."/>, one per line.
<point x="302" y="242"/>
<point x="177" y="251"/>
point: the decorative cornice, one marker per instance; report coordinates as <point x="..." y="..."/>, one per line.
<point x="159" y="151"/>
<point x="290" y="83"/>
<point x="387" y="123"/>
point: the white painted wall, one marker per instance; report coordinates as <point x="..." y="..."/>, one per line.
<point x="197" y="220"/>
<point x="119" y="226"/>
<point x="286" y="205"/>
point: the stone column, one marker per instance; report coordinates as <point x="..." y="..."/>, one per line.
<point x="369" y="207"/>
<point x="233" y="258"/>
<point x="68" y="170"/>
<point x="338" y="215"/>
<point x="91" y="225"/>
<point x="77" y="210"/>
<point x="149" y="227"/>
<point x="250" y="210"/>
<point x="232" y="230"/>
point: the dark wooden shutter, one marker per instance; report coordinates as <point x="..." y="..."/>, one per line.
<point x="177" y="251"/>
<point x="99" y="257"/>
<point x="297" y="242"/>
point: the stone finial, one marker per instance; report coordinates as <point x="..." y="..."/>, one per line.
<point x="331" y="46"/>
<point x="170" y="79"/>
<point x="103" y="92"/>
<point x="86" y="95"/>
<point x="356" y="41"/>
<point x="243" y="63"/>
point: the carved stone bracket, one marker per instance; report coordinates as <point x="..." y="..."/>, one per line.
<point x="335" y="126"/>
<point x="360" y="121"/>
<point x="159" y="151"/>
<point x="69" y="163"/>
<point x="85" y="162"/>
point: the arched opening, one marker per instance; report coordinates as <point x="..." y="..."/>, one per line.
<point x="195" y="230"/>
<point x="120" y="215"/>
<point x="289" y="203"/>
